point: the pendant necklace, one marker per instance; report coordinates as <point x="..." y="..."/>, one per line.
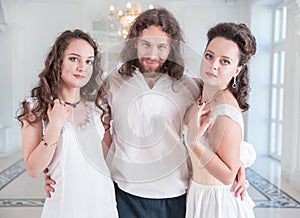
<point x="212" y="99"/>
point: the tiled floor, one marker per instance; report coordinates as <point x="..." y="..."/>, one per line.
<point x="22" y="196"/>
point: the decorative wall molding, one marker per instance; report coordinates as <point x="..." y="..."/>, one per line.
<point x="3" y="21"/>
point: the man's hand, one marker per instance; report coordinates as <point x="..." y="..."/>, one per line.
<point x="48" y="184"/>
<point x="239" y="186"/>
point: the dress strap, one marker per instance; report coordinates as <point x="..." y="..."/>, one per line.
<point x="230" y="111"/>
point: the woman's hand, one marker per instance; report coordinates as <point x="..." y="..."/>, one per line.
<point x="59" y="113"/>
<point x="199" y="121"/>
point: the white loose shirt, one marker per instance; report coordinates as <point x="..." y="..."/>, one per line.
<point x="147" y="156"/>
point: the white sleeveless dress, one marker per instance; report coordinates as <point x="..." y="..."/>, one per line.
<point x="208" y="197"/>
<point x="84" y="188"/>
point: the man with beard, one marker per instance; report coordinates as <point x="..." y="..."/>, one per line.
<point x="148" y="98"/>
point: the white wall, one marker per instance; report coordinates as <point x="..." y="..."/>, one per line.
<point x="196" y="17"/>
<point x="27" y="37"/>
<point x="10" y="63"/>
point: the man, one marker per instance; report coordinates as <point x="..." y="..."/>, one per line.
<point x="148" y="97"/>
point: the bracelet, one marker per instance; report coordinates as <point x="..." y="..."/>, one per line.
<point x="45" y="143"/>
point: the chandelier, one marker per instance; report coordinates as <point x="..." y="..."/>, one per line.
<point x="126" y="17"/>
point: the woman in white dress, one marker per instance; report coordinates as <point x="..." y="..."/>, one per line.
<point x="215" y="124"/>
<point x="62" y="130"/>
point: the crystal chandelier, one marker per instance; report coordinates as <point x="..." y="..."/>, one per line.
<point x="126" y="18"/>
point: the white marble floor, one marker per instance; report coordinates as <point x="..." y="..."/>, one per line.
<point x="22" y="196"/>
<point x="270" y="171"/>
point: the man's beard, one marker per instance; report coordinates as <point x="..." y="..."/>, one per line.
<point x="149" y="69"/>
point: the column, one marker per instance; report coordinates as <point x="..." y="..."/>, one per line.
<point x="291" y="119"/>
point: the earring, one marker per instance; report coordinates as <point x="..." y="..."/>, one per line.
<point x="234" y="85"/>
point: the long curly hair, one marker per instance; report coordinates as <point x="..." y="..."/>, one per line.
<point x="174" y="65"/>
<point x="242" y="36"/>
<point x="49" y="84"/>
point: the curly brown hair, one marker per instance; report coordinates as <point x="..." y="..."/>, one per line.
<point x="242" y="36"/>
<point x="174" y="65"/>
<point x="49" y="84"/>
